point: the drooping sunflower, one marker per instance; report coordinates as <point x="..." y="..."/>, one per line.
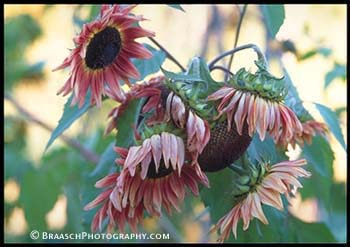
<point x="102" y="55"/>
<point x="154" y="175"/>
<point x="257" y="100"/>
<point x="267" y="189"/>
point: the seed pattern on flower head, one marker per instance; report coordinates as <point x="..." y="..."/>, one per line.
<point x="262" y="115"/>
<point x="102" y="55"/>
<point x="279" y="180"/>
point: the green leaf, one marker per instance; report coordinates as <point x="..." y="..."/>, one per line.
<point x="320" y="157"/>
<point x="338" y="197"/>
<point x="324" y="51"/>
<point x="340" y="110"/>
<point x="106" y="161"/>
<point x="273" y="17"/>
<point x="266" y="150"/>
<point x="181" y="76"/>
<point x="311" y="232"/>
<point x="149" y="66"/>
<point x="39" y="193"/>
<point x="338" y="71"/>
<point x="125" y="134"/>
<point x="176" y="6"/>
<point x="321" y="161"/>
<point x="219" y="196"/>
<point x="71" y="114"/>
<point x="333" y="123"/>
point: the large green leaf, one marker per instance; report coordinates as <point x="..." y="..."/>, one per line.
<point x="273" y="17"/>
<point x="219" y="196"/>
<point x="320" y="159"/>
<point x="333" y="123"/>
<point x="124" y="138"/>
<point x="310" y="232"/>
<point x="266" y="150"/>
<point x="149" y="66"/>
<point x="320" y="155"/>
<point x="39" y="192"/>
<point x="71" y="114"/>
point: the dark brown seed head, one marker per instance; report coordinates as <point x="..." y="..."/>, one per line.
<point x="103" y="48"/>
<point x="162" y="171"/>
<point x="223" y="148"/>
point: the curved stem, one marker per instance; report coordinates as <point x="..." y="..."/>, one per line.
<point x="167" y="54"/>
<point x="86" y="153"/>
<point x="242" y="13"/>
<point x="221" y="68"/>
<point x="239" y="48"/>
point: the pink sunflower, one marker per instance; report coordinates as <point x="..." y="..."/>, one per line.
<point x="261" y="114"/>
<point x="117" y="216"/>
<point x="102" y="55"/>
<point x="154" y="175"/>
<point x="150" y="90"/>
<point x="279" y="179"/>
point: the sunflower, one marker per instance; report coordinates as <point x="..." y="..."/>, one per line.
<point x="278" y="179"/>
<point x="154" y="175"/>
<point x="257" y="99"/>
<point x="102" y="55"/>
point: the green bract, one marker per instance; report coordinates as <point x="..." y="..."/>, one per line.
<point x="157" y="129"/>
<point x="262" y="83"/>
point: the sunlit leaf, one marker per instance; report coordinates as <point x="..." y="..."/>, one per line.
<point x="321" y="161"/>
<point x="70" y="115"/>
<point x="338" y="71"/>
<point x="273" y="17"/>
<point x="332" y="122"/>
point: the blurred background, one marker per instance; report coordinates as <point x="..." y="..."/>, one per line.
<point x="43" y="189"/>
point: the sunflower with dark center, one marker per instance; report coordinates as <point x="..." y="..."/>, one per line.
<point x="101" y="59"/>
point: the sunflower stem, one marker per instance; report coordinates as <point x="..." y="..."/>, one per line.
<point x="242" y="13"/>
<point x="237" y="49"/>
<point x="171" y="57"/>
<point x="223" y="69"/>
<point x="86" y="153"/>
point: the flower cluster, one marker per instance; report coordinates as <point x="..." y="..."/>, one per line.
<point x="183" y="129"/>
